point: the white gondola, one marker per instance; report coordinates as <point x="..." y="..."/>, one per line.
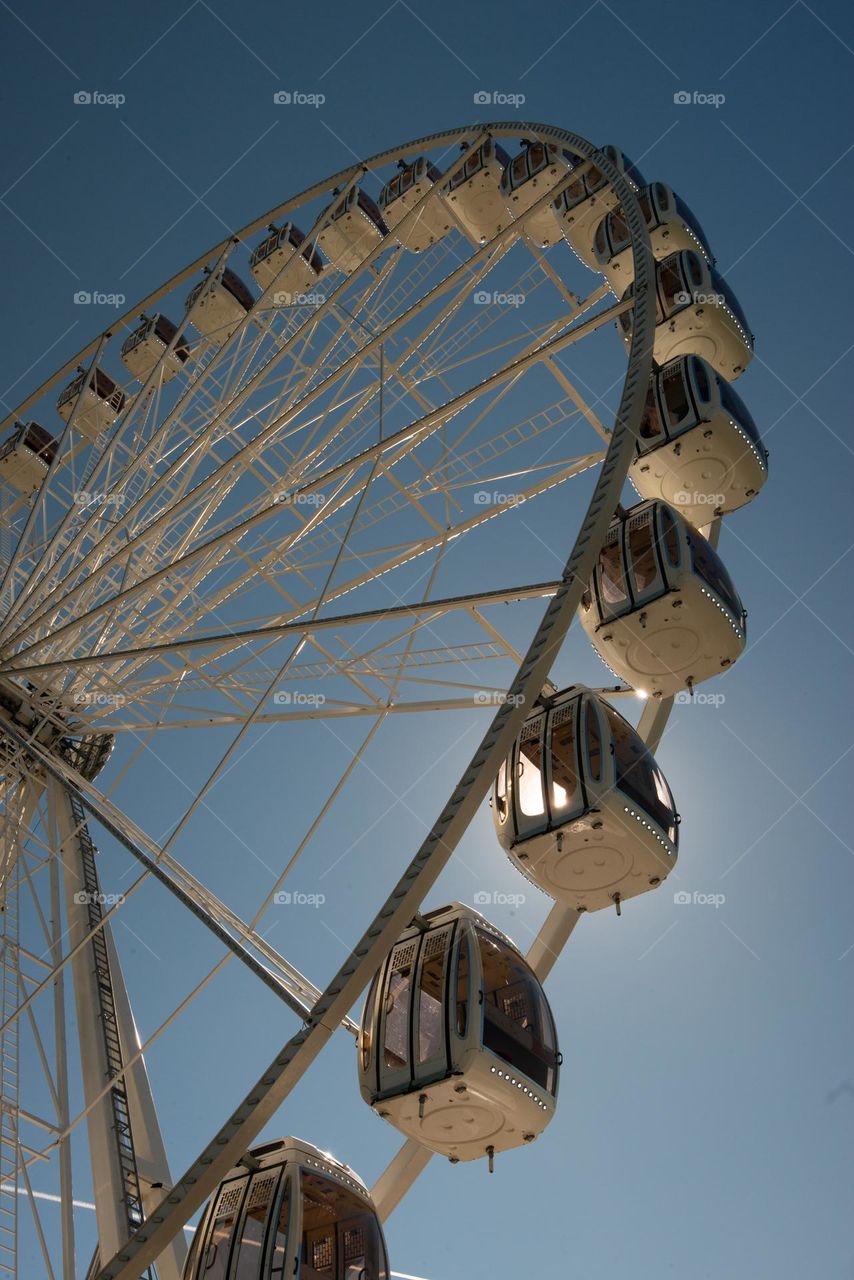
<point x="584" y="203"/>
<point x="432" y="222"/>
<point x="223" y="307"/>
<point x="699" y="448"/>
<point x="671" y="226"/>
<point x="661" y="609"/>
<point x="26" y="456"/>
<point x="144" y="348"/>
<point x="101" y="402"/>
<point x="474" y="194"/>
<point x="581" y="806"/>
<point x="526" y="179"/>
<point x="457" y="1047"/>
<point x="354" y="229"/>
<point x="696" y="313"/>
<point x="279" y="261"/>
<point x="288" y="1209"/>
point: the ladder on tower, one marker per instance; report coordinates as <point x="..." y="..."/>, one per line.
<point x="9" y="1067"/>
<point x="108" y="1021"/>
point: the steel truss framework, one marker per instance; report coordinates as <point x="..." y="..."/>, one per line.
<point x="276" y="518"/>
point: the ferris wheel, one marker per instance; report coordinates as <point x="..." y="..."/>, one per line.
<point x="270" y="472"/>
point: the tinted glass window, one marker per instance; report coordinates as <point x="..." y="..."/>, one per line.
<point x="397" y="1000"/>
<point x="529" y="783"/>
<point x="633" y="172"/>
<point x="676" y="397"/>
<point x="564" y="765"/>
<point x="642" y="556"/>
<point x="708" y="566"/>
<point x="701" y="377"/>
<point x="249" y="1250"/>
<point x="638" y="776"/>
<point x="517" y="1022"/>
<point x="670" y="537"/>
<point x="538" y="158"/>
<point x="651" y="427"/>
<point x="431" y="996"/>
<point x="519" y="169"/>
<point x="646" y="210"/>
<point x="218" y="1248"/>
<point x="719" y="285"/>
<point x="463" y="968"/>
<point x="501" y="792"/>
<point x="574" y="193"/>
<point x="624" y="320"/>
<point x="619" y="230"/>
<point x="672" y="287"/>
<point x="366" y="1038"/>
<point x="737" y="409"/>
<point x="691" y="221"/>
<point x="189" y="1265"/>
<point x="280" y="1235"/>
<point x="594" y="741"/>
<point x="612" y="583"/>
<point x="340" y="1234"/>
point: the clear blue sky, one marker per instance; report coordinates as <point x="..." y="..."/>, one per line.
<point x="706" y="1114"/>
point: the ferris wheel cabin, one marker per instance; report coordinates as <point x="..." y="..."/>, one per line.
<point x="699" y="448"/>
<point x="355" y="228"/>
<point x="146" y="347"/>
<point x="585" y="202"/>
<point x="219" y="305"/>
<point x="661" y="609"/>
<point x="280" y="261"/>
<point x="26" y="455"/>
<point x="474" y="195"/>
<point x="581" y="806"/>
<point x="287" y="1210"/>
<point x="526" y="179"/>
<point x="457" y="1047"/>
<point x="696" y="313"/>
<point x="671" y="226"/>
<point x="101" y="402"/>
<point x="433" y="220"/>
